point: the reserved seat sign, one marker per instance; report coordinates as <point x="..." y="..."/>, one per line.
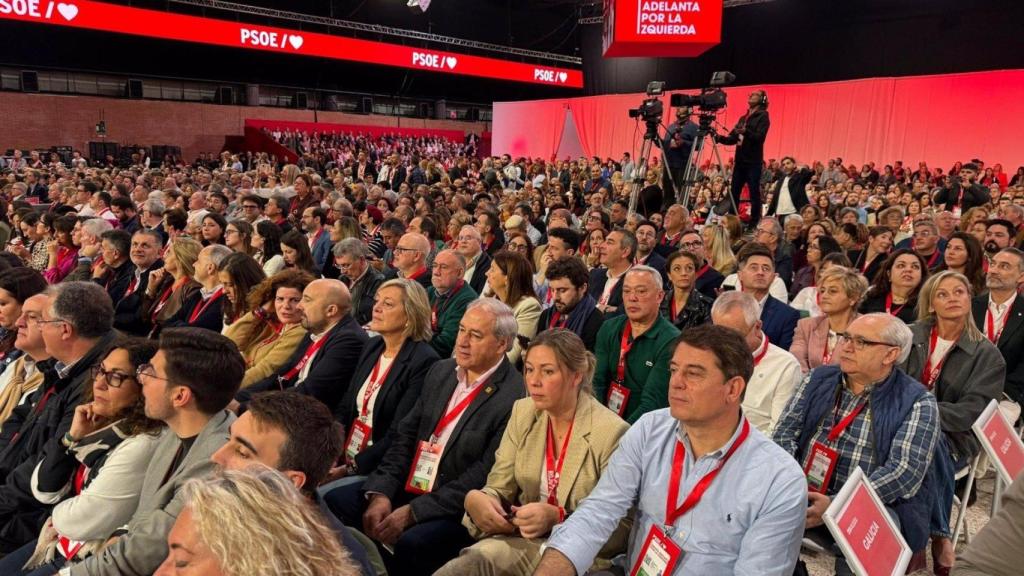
<point x="865" y="532"/>
<point x="1001" y="442"/>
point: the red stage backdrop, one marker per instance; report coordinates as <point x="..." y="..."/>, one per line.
<point x="936" y="119"/>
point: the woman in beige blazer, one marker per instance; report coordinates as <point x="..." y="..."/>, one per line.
<point x="840" y="290"/>
<point x="525" y="497"/>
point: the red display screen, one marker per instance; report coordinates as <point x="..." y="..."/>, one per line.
<point x="165" y="25"/>
<point x="661" y="27"/>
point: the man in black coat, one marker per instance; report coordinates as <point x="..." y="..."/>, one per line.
<point x="74" y="321"/>
<point x="964" y="193"/>
<point x="790" y="189"/>
<point x="749" y="135"/>
<point x="323" y="364"/>
<point x="571" y="307"/>
<point x="413" y="502"/>
<point x="145" y="256"/>
<point x="1000" y="315"/>
<point x="205" y="308"/>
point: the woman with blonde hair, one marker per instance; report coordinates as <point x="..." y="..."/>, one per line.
<point x="816" y="339"/>
<point x="268" y="334"/>
<point x="561" y="422"/>
<point x="171" y="286"/>
<point x="719" y="250"/>
<point x="252" y="523"/>
<point x="965" y="372"/>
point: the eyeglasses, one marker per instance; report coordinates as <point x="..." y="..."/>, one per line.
<point x="250" y="207"/>
<point x="689" y="245"/>
<point x="113" y="379"/>
<point x="517" y="247"/>
<point x="147" y="372"/>
<point x="38" y="320"/>
<point x="400" y="249"/>
<point x="860" y="343"/>
<point x="763" y="231"/>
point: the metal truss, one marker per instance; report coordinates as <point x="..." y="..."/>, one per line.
<point x="378" y="29"/>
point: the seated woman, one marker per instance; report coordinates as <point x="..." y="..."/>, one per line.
<point x="806" y="277"/>
<point x="807" y="298"/>
<point x="171" y="286"/>
<point x="268" y="334"/>
<point x="896" y="285"/>
<point x="965" y="255"/>
<point x="511" y="278"/>
<point x="528" y="491"/>
<point x="94" y="473"/>
<point x="719" y="251"/>
<point x="389" y="377"/>
<point x="870" y="259"/>
<point x="815" y="340"/>
<point x="266" y="241"/>
<point x="296" y="253"/>
<point x="19" y="374"/>
<point x="965" y="371"/>
<point x="239" y="274"/>
<point x="685" y="307"/>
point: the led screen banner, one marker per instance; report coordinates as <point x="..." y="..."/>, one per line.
<point x="104" y="17"/>
<point x="671" y="28"/>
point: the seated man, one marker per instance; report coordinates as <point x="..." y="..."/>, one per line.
<point x="115" y="273"/>
<point x="776" y="371"/>
<point x="572" y="307"/>
<point x="866" y="412"/>
<point x="412" y="504"/>
<point x="756" y="276"/>
<point x="742" y="505"/>
<point x="350" y="256"/>
<point x="617" y="256"/>
<point x="296" y="435"/>
<point x="449" y="295"/>
<point x="204" y="309"/>
<point x="410" y="262"/>
<point x="145" y="255"/>
<point x="187" y="385"/>
<point x="633" y="350"/>
<point x="1000" y="315"/>
<point x="325" y="360"/>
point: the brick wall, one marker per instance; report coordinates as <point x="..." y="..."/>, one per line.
<point x="44" y="120"/>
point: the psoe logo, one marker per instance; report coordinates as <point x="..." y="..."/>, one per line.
<point x="435" y="61"/>
<point x="550" y="76"/>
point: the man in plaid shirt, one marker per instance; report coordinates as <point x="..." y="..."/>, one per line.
<point x="868" y="413"/>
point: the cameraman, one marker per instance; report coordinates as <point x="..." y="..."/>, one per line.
<point x="676" y="148"/>
<point x="964" y="192"/>
<point x="748" y="135"/>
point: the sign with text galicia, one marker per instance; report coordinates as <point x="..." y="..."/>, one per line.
<point x="1001" y="442"/>
<point x="865" y="532"/>
<point x="661" y="27"/>
<point x="103" y="17"/>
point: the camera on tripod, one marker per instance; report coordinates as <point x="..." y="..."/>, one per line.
<point x="710" y="99"/>
<point x="651" y="109"/>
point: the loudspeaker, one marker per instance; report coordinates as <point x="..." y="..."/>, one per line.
<point x="225" y="95"/>
<point x="133" y="89"/>
<point x="473" y="114"/>
<point x="301" y="100"/>
<point x="29" y="81"/>
<point x="252" y="94"/>
<point x="366" y="105"/>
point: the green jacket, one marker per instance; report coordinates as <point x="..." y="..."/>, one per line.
<point x="646" y="365"/>
<point x="449" y="313"/>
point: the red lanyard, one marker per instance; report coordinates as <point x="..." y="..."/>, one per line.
<point x="672" y="311"/>
<point x="990" y="326"/>
<point x="447" y="302"/>
<point x="554" y="470"/>
<point x="557" y="321"/>
<point x="888" y="305"/>
<point x="671" y="512"/>
<point x="305" y="358"/>
<point x="934" y="258"/>
<point x="455" y="412"/>
<point x="666" y="241"/>
<point x="702" y="271"/>
<point x="79" y="480"/>
<point x="837" y="430"/>
<point x="374" y="384"/>
<point x="930" y="375"/>
<point x="760" y="354"/>
<point x="415" y="275"/>
<point x="167" y="294"/>
<point x="624" y="347"/>
<point x="202" y="305"/>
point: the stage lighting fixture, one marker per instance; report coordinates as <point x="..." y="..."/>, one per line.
<point x="421" y="4"/>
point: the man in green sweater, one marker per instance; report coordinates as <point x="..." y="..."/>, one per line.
<point x="633" y="351"/>
<point x="449" y="295"/>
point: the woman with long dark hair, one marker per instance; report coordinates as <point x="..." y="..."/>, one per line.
<point x="511" y="279"/>
<point x="896" y="285"/>
<point x="238" y="237"/>
<point x="296" y="253"/>
<point x="964" y="254"/>
<point x="266" y="241"/>
<point x="870" y="258"/>
<point x="238" y="274"/>
<point x="212" y="229"/>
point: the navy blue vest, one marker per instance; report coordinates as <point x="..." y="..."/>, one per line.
<point x="889" y="406"/>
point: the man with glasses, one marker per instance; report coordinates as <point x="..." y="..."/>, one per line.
<point x="411" y="259"/>
<point x="187" y="385"/>
<point x="74" y="321"/>
<point x="469" y="245"/>
<point x="646" y="240"/>
<point x="769" y="233"/>
<point x="350" y="256"/>
<point x="865" y="412"/>
<point x="633" y="350"/>
<point x="708" y="280"/>
<point x="252" y="209"/>
<point x="449" y="296"/>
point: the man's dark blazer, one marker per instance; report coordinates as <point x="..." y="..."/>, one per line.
<point x="469" y="454"/>
<point x="330" y="370"/>
<point x="1011" y="342"/>
<point x="778" y="320"/>
<point x="797" y="189"/>
<point x="212" y="318"/>
<point x="115" y="280"/>
<point x="129" y="316"/>
<point x="590" y="329"/>
<point x="397" y="397"/>
<point x="709" y="283"/>
<point x="598" y="278"/>
<point x="479" y="278"/>
<point x="659" y="263"/>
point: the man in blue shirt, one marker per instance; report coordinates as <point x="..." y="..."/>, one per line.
<point x="719" y="495"/>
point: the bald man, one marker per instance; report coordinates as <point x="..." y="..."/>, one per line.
<point x="411" y="259"/>
<point x="323" y="363"/>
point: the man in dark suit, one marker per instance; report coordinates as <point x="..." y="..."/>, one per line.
<point x="617" y="256"/>
<point x="571" y="307"/>
<point x="205" y="308"/>
<point x="363" y="168"/>
<point x="411" y="259"/>
<point x="478" y="261"/>
<point x="646" y="240"/>
<point x="115" y="273"/>
<point x="145" y="255"/>
<point x="413" y="502"/>
<point x="755" y="273"/>
<point x="1000" y="315"/>
<point x="325" y="360"/>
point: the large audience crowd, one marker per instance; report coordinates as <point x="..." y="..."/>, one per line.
<point x="396" y="357"/>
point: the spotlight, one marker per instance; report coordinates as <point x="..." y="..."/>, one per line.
<point x="421" y="4"/>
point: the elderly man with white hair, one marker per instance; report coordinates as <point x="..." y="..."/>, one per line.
<point x="866" y="412"/>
